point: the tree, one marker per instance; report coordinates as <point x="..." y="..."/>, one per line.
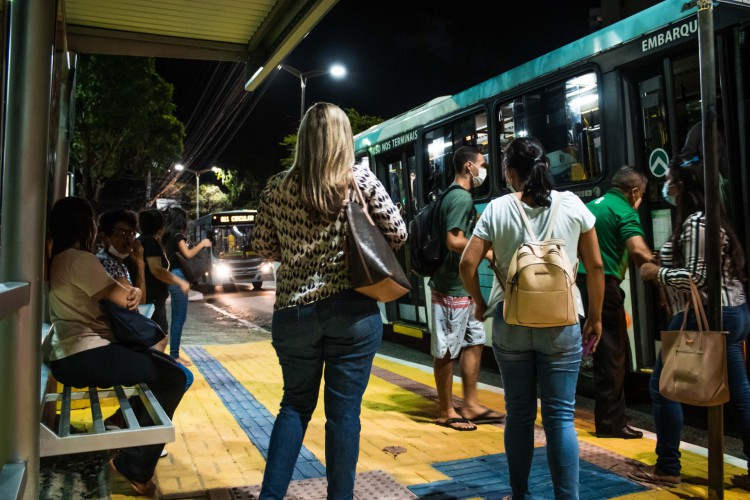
<point x="124" y="121"/>
<point x="359" y="124"/>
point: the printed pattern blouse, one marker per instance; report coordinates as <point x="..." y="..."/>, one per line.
<point x="693" y="245"/>
<point x="311" y="252"/>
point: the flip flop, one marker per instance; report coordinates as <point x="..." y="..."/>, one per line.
<point x="450" y="423"/>
<point x="488" y="417"/>
<point x="147" y="489"/>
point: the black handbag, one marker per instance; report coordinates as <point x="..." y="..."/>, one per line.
<point x="373" y="268"/>
<point x="130" y="327"/>
<point x="197" y="267"/>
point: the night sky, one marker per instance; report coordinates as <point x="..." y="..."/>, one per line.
<point x="398" y="53"/>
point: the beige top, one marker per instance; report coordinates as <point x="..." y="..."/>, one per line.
<point x="75" y="277"/>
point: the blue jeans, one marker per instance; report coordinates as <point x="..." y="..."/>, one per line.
<point x="549" y="358"/>
<point x="179" y="315"/>
<point x="668" y="415"/>
<point x="335" y="338"/>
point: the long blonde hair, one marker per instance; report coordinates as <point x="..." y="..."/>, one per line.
<point x="323" y="159"/>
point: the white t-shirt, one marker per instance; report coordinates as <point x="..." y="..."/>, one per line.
<point x="502" y="225"/>
<point x="75" y="277"/>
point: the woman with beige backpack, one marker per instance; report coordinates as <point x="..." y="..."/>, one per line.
<point x="537" y="345"/>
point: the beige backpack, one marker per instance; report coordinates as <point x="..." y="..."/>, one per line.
<point x="540" y="287"/>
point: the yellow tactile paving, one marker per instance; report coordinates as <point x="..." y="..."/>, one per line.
<point x="212" y="451"/>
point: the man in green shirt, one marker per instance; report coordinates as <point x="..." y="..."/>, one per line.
<point x="619" y="231"/>
<point x="456" y="330"/>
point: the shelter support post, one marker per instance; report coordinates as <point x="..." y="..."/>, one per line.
<point x="24" y="207"/>
<point x="713" y="226"/>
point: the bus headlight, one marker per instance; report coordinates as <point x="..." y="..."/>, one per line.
<point x="266" y="268"/>
<point x="223" y="271"/>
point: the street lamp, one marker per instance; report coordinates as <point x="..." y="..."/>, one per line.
<point x="337" y="71"/>
<point x="179" y="167"/>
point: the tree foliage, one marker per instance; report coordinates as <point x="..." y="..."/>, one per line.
<point x="359" y="122"/>
<point x="124" y="121"/>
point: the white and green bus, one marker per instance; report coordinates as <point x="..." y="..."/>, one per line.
<point x="627" y="94"/>
<point x="232" y="260"/>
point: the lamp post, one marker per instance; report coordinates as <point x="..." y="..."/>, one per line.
<point x="179" y="167"/>
<point x="337" y="71"/>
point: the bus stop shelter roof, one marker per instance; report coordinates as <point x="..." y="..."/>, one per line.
<point x="260" y="33"/>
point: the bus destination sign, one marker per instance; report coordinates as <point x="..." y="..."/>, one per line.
<point x="232" y="219"/>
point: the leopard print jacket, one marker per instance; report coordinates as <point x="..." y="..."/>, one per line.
<point x="312" y="253"/>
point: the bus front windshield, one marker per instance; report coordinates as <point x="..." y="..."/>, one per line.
<point x="232" y="242"/>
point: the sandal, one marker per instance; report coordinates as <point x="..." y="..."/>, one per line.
<point x="653" y="475"/>
<point x="742" y="481"/>
<point x="147" y="489"/>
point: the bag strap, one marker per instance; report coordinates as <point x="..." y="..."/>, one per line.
<point x="697" y="304"/>
<point x="360" y="200"/>
<point x="527" y="222"/>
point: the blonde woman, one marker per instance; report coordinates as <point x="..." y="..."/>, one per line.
<point x="321" y="327"/>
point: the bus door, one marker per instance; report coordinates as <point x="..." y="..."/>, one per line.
<point x="397" y="171"/>
<point x="666" y="112"/>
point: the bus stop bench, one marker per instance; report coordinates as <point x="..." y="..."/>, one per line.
<point x="59" y="438"/>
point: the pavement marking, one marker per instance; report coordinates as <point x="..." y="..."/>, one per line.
<point x="254" y="419"/>
<point x="488" y="477"/>
<point x="245" y="322"/>
<point x="698" y="450"/>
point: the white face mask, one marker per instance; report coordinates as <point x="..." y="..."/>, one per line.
<point x="477" y="180"/>
<point x="672" y="200"/>
<point x="117" y="254"/>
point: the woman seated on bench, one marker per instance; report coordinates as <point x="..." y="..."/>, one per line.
<point x="84" y="351"/>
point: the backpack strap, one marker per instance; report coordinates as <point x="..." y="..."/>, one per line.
<point x="552" y="216"/>
<point x="527" y="222"/>
<point x="524" y="218"/>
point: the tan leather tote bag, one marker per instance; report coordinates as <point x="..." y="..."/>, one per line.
<point x="695" y="362"/>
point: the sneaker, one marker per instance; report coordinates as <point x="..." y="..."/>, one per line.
<point x="115" y="422"/>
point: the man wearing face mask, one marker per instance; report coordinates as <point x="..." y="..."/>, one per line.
<point x="456" y="330"/>
<point x="122" y="255"/>
<point x="619" y="231"/>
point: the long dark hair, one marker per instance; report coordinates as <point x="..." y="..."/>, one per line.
<point x="688" y="173"/>
<point x="176" y="223"/>
<point x="526" y="156"/>
<point x="71" y="222"/>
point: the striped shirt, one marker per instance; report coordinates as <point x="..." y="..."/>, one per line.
<point x="677" y="279"/>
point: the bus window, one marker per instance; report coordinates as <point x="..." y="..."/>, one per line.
<point x="441" y="143"/>
<point x="565" y="117"/>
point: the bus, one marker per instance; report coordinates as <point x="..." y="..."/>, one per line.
<point x="627" y="94"/>
<point x="233" y="261"/>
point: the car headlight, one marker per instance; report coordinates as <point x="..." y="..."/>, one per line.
<point x="223" y="271"/>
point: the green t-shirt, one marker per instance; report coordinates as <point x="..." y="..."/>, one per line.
<point x="616" y="222"/>
<point x="456" y="212"/>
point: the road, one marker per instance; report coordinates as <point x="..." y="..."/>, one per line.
<point x="245" y="316"/>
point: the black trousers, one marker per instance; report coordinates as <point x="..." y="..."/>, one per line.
<point x="610" y="358"/>
<point x="116" y="364"/>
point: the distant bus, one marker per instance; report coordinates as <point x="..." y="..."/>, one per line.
<point x="233" y="261"/>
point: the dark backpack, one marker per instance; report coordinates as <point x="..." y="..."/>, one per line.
<point x="428" y="248"/>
